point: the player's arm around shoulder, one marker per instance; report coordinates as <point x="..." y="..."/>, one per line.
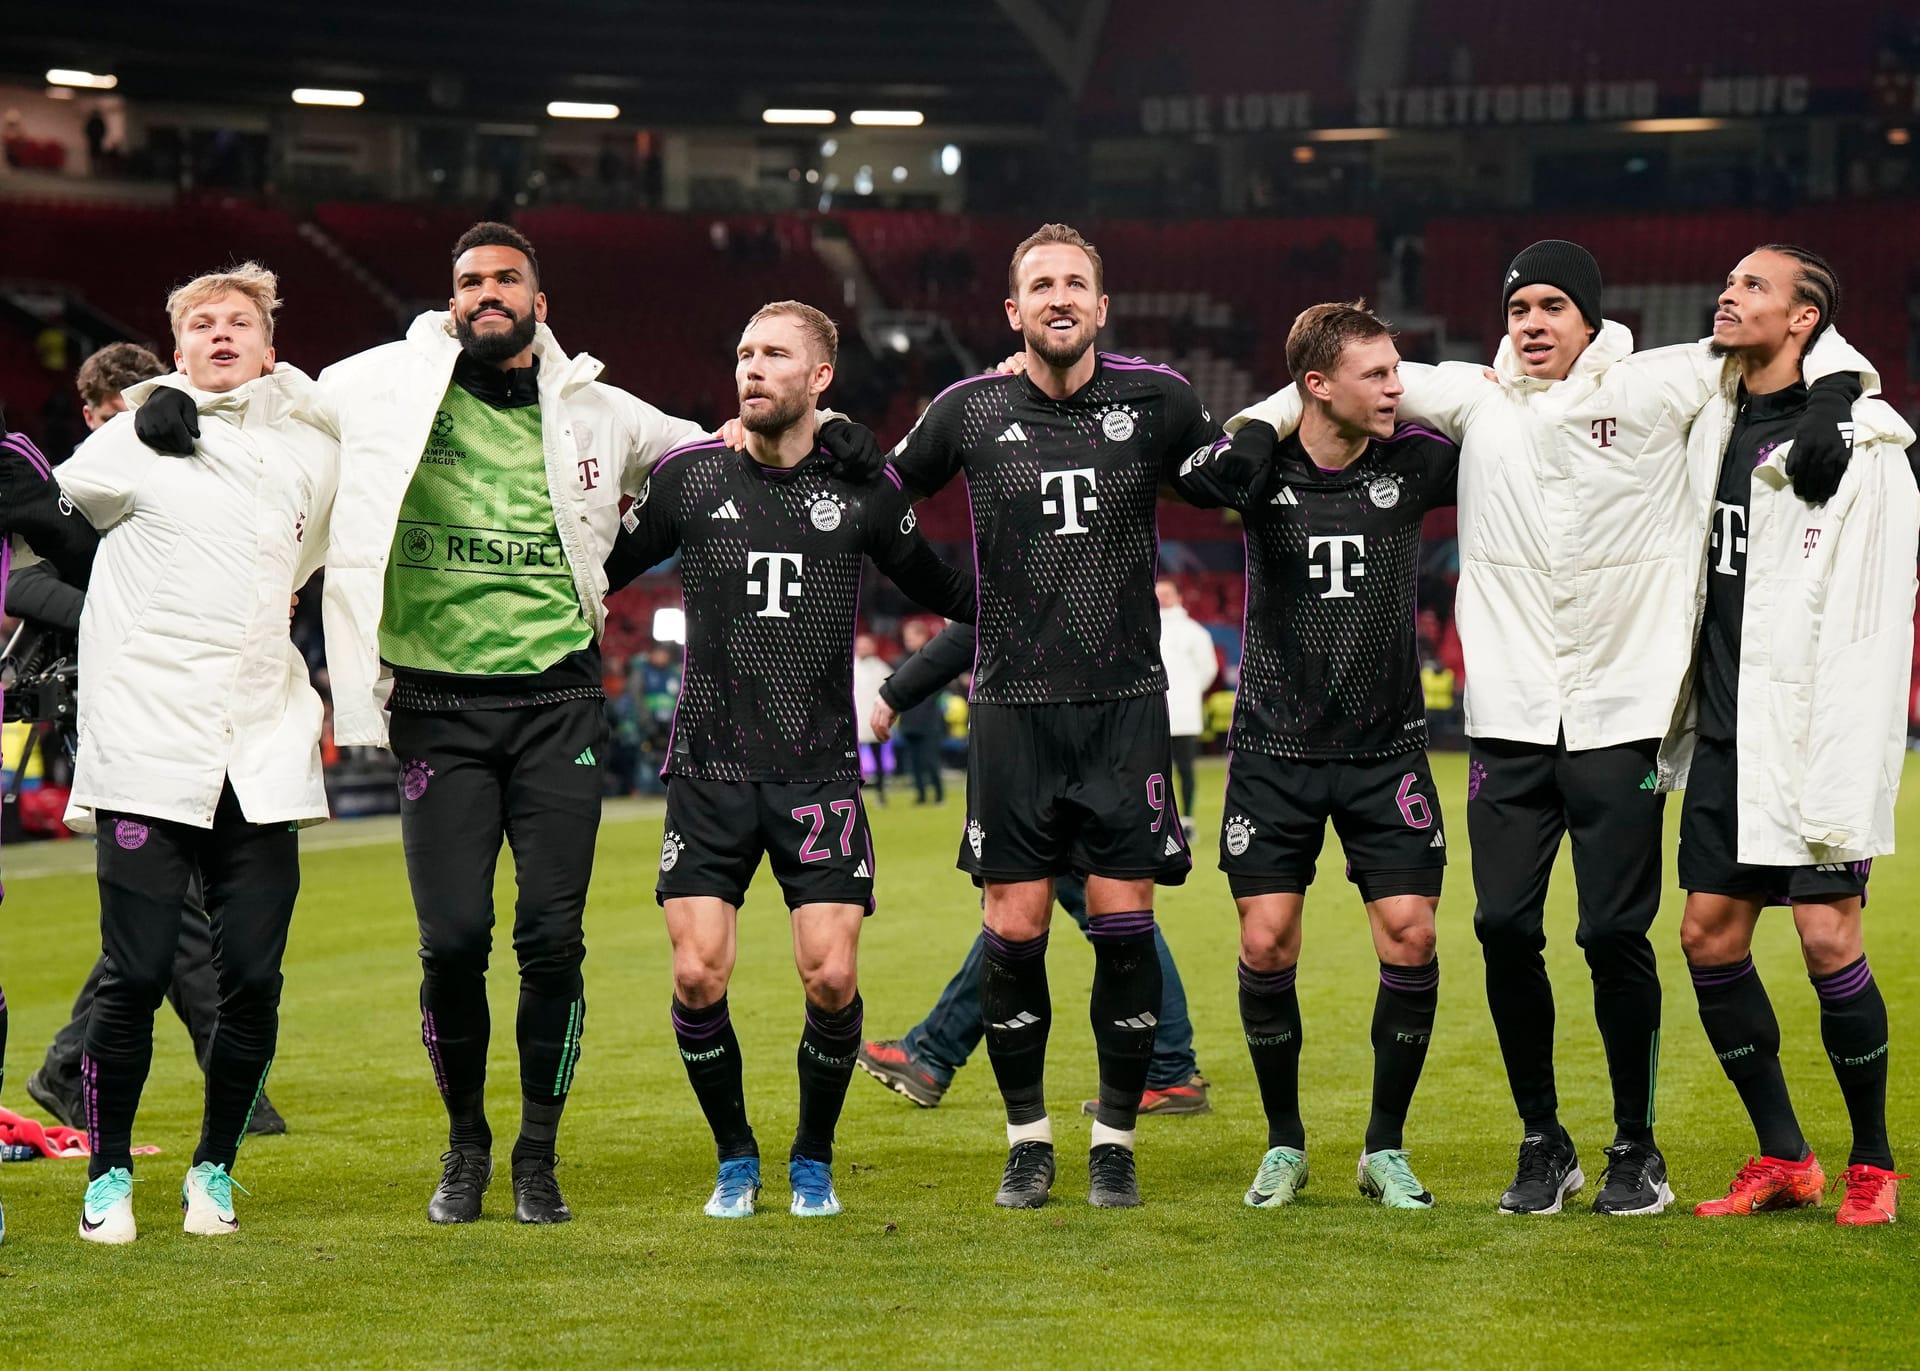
<point x="640" y="434"/>
<point x="902" y="552"/>
<point x="649" y="530"/>
<point x="1444" y="397"/>
<point x="104" y="477"/>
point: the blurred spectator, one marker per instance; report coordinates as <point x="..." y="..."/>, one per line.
<point x="870" y="672"/>
<point x="1186" y="649"/>
<point x="921" y="728"/>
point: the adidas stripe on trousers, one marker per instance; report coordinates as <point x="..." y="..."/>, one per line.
<point x="1522" y="798"/>
<point x="469" y="780"/>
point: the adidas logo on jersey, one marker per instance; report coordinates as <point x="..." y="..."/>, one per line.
<point x="1024" y="1019"/>
<point x="1284" y="496"/>
<point x="585" y="759"/>
<point x="1137" y="1021"/>
<point x="861" y="873"/>
<point x="1014" y="434"/>
<point x="726" y="511"/>
<point x="1173" y="847"/>
<point x="1439" y="840"/>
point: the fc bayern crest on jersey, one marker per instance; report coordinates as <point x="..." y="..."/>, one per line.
<point x="1239" y="835"/>
<point x="826" y="512"/>
<point x="1117" y="424"/>
<point x="671" y="847"/>
<point x="1384" y="491"/>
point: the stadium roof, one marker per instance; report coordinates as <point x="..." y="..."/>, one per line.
<point x="661" y="61"/>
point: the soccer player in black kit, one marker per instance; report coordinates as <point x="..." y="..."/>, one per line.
<point x="1070" y="759"/>
<point x="1330" y="723"/>
<point x="763" y="757"/>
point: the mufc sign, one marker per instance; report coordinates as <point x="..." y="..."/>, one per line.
<point x="1472" y="106"/>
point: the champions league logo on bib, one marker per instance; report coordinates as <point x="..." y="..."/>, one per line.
<point x="826" y="512"/>
<point x="670" y="849"/>
<point x="1239" y="835"/>
<point x="1384" y="491"/>
<point x="1117" y="424"/>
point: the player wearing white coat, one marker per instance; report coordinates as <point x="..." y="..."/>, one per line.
<point x="199" y="731"/>
<point x="1186" y="651"/>
<point x="1791" y="740"/>
<point x="1578" y="556"/>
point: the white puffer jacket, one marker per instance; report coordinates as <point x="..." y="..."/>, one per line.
<point x="600" y="443"/>
<point x="188" y="676"/>
<point x="1579" y="537"/>
<point x="1826" y="646"/>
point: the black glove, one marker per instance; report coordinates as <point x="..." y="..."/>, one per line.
<point x="168" y="421"/>
<point x="1823" y="442"/>
<point x="1247" y="460"/>
<point x="853" y="453"/>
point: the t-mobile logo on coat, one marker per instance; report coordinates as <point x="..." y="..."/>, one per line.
<point x="1339" y="566"/>
<point x="1729" y="538"/>
<point x="774" y="582"/>
<point x="1072" y="501"/>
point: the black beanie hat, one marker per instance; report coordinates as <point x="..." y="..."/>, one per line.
<point x="1556" y="262"/>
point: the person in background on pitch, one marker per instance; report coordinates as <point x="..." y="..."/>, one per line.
<point x="919" y="730"/>
<point x="1792" y="739"/>
<point x="1187" y="652"/>
<point x="869" y="670"/>
<point x="37" y="594"/>
<point x="223" y="787"/>
<point x="922" y="1064"/>
<point x="763" y="761"/>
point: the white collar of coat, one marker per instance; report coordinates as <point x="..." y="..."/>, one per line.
<point x="1613" y="342"/>
<point x="433" y="331"/>
<point x="276" y="395"/>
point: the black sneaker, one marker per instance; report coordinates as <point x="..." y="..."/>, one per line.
<point x="1634" y="1182"/>
<point x="1110" y="1179"/>
<point x="464" y="1179"/>
<point x="1028" y="1178"/>
<point x="1549" y="1172"/>
<point x="64" y="1107"/>
<point x="265" y="1121"/>
<point x="536" y="1195"/>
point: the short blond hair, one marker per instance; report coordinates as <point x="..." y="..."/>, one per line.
<point x="819" y="329"/>
<point x="260" y="286"/>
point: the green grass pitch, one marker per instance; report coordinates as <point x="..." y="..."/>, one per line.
<point x="336" y="1265"/>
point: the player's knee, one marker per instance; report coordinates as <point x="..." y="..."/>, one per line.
<point x="1829" y="947"/>
<point x="1709" y="941"/>
<point x="252" y="988"/>
<point x="457" y="947"/>
<point x="831" y="984"/>
<point x="1411" y="943"/>
<point x="697" y="983"/>
<point x="1508" y="930"/>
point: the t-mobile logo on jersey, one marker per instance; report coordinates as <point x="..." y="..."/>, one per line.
<point x="1339" y="565"/>
<point x="774" y="584"/>
<point x="1729" y="530"/>
<point x="1072" y="501"/>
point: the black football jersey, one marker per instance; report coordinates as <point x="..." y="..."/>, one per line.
<point x="1066" y="542"/>
<point x="1763" y="423"/>
<point x="1331" y="664"/>
<point x="770" y="576"/>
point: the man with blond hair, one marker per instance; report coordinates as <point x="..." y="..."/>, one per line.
<point x="200" y="760"/>
<point x="764" y="757"/>
<point x="38" y="594"/>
